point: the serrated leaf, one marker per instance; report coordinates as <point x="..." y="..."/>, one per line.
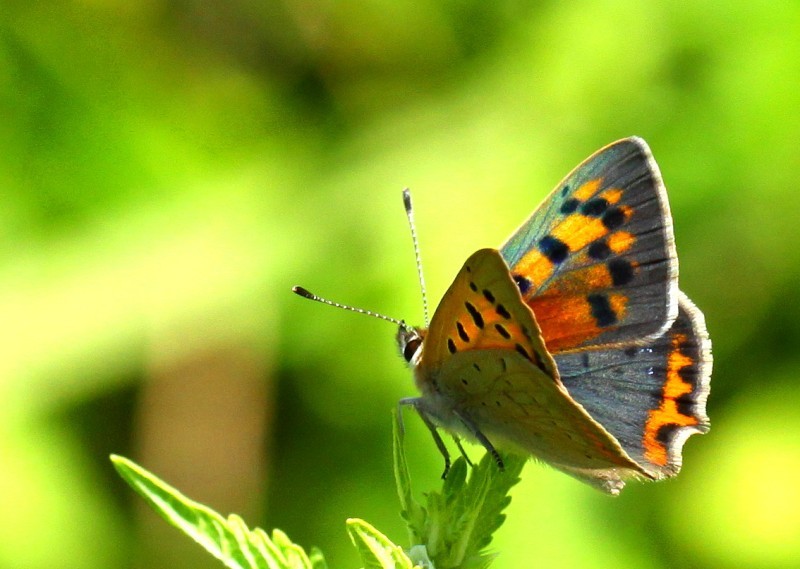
<point x="229" y="540"/>
<point x="458" y="522"/>
<point x="490" y="516"/>
<point x="464" y="515"/>
<point x="376" y="550"/>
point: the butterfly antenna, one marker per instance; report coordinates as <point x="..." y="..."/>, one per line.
<point x="418" y="258"/>
<point x="298" y="290"/>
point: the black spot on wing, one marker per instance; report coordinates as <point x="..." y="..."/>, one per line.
<point x="601" y="309"/>
<point x="664" y="434"/>
<point x="553" y="248"/>
<point x="501" y="310"/>
<point x="569" y="206"/>
<point x="621" y="271"/>
<point x="502" y="331"/>
<point x="487" y="294"/>
<point x="613" y="218"/>
<point x="461" y="332"/>
<point x="526" y="332"/>
<point x="599" y="250"/>
<point x="520" y="348"/>
<point x="451" y="346"/>
<point x="686" y="405"/>
<point x="474" y="314"/>
<point x="688" y="373"/>
<point x="523" y="284"/>
<point x="539" y="362"/>
<point x="594" y="207"/>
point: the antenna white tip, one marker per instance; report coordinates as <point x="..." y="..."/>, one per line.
<point x="303" y="292"/>
<point x="407" y="200"/>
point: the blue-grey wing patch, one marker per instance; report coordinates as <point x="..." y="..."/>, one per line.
<point x="652" y="397"/>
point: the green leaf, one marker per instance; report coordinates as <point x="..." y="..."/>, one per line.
<point x="229" y="540"/>
<point x="411" y="511"/>
<point x="377" y="552"/>
<point x="458" y="522"/>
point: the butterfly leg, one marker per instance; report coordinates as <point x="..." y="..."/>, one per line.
<point x="461" y="450"/>
<point x="415" y="403"/>
<point x="476" y="432"/>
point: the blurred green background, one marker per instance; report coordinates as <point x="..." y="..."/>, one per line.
<point x="170" y="169"/>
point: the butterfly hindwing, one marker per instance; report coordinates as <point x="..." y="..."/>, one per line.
<point x="661" y="386"/>
<point x="519" y="408"/>
<point x="596" y="261"/>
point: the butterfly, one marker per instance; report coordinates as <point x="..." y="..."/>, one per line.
<point x="572" y="342"/>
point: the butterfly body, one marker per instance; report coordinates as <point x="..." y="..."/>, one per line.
<point x="572" y="342"/>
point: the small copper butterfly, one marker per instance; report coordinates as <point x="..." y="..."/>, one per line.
<point x="572" y="343"/>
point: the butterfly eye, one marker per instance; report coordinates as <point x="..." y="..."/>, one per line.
<point x="411" y="349"/>
<point x="409" y="341"/>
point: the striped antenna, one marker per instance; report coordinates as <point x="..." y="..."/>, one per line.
<point x="300" y="291"/>
<point x="417" y="257"/>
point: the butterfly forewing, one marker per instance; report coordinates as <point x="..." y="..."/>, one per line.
<point x="521" y="408"/>
<point x="596" y="261"/>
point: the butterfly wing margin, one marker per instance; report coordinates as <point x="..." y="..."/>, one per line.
<point x="662" y="388"/>
<point x="596" y="261"/>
